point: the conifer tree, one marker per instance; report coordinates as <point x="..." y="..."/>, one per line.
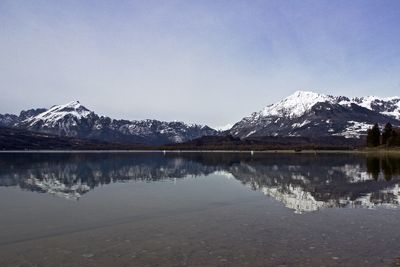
<point x="387" y="133"/>
<point x="373" y="136"/>
<point x="395" y="138"/>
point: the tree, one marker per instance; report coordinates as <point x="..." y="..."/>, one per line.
<point x="394" y="140"/>
<point x="374" y="136"/>
<point x="387" y="133"/>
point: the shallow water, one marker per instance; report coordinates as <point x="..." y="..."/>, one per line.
<point x="199" y="209"/>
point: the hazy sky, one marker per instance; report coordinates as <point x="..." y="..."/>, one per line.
<point x="201" y="61"/>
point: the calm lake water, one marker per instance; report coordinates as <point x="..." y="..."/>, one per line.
<point x="199" y="209"/>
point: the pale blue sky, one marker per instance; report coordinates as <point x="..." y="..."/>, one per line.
<point x="209" y="62"/>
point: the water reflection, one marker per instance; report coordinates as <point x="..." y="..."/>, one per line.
<point x="383" y="166"/>
<point x="301" y="182"/>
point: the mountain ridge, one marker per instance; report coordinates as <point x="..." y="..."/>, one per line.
<point x="306" y="113"/>
<point x="302" y="114"/>
<point x="75" y="120"/>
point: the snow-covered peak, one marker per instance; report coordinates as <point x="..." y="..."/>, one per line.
<point x="224" y="127"/>
<point x="73" y="109"/>
<point x="73" y="104"/>
<point x="296" y="104"/>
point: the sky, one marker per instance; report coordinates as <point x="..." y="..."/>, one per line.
<point x="209" y="62"/>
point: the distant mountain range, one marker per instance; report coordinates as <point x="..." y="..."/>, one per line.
<point x="302" y="114"/>
<point x="75" y="120"/>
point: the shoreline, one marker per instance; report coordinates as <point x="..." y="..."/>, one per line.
<point x="283" y="151"/>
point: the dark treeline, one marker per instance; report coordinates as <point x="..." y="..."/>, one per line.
<point x="267" y="143"/>
<point x="389" y="136"/>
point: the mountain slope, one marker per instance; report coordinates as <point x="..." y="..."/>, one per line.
<point x="315" y="115"/>
<point x="17" y="139"/>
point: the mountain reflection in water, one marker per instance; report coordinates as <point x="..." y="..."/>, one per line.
<point x="301" y="182"/>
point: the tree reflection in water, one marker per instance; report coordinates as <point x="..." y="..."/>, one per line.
<point x="386" y="166"/>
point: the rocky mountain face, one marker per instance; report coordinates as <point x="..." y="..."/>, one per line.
<point x="11" y="120"/>
<point x="75" y="120"/>
<point x="314" y="115"/>
<point x="8" y="120"/>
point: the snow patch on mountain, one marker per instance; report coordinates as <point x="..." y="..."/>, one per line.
<point x="299" y="125"/>
<point x="355" y="129"/>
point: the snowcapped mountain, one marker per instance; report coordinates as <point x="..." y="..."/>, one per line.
<point x="311" y="114"/>
<point x="75" y="120"/>
<point x="71" y="119"/>
<point x="71" y="112"/>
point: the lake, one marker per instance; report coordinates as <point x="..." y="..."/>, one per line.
<point x="199" y="209"/>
